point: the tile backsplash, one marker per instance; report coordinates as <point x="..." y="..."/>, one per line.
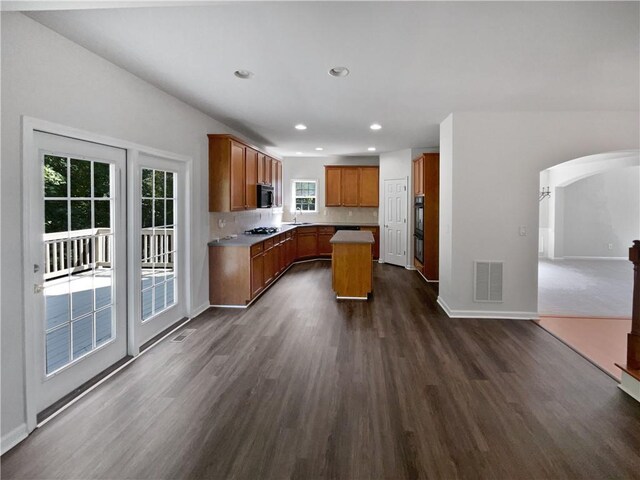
<point x="234" y="223"/>
<point x="336" y="214"/>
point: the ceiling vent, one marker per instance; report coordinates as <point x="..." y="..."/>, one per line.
<point x="487" y="282"/>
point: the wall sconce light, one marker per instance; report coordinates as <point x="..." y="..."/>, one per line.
<point x="544" y="193"/>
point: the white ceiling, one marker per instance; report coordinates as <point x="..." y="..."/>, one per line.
<point x="411" y="63"/>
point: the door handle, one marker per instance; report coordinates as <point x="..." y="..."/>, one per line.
<point x="38" y="288"/>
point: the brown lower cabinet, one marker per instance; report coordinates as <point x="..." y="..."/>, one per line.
<point x="324" y="246"/>
<point x="237" y="275"/>
<point x="307" y="242"/>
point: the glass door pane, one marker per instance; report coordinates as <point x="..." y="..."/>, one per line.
<point x="158" y="241"/>
<point x="78" y="248"/>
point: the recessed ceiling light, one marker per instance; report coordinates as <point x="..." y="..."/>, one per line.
<point x="298" y="153"/>
<point x="244" y="74"/>
<point x="375" y="126"/>
<point x="301" y="126"/>
<point x="372" y="149"/>
<point x="339" y="72"/>
<point x="319" y="149"/>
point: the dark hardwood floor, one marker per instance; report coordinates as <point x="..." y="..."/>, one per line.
<point x="301" y="386"/>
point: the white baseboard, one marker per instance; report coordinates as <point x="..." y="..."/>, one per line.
<point x="12" y="438"/>
<point x="590" y="258"/>
<point x="202" y="308"/>
<point x="488" y="314"/>
<point x="630" y="386"/>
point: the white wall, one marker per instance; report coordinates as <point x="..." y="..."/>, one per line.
<point x="600" y="210"/>
<point x="557" y="178"/>
<point x="445" y="285"/>
<point x="495" y="161"/>
<point x="312" y="168"/>
<point x="48" y="77"/>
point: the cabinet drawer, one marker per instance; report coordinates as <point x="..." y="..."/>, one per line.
<point x="303" y="230"/>
<point x="326" y="229"/>
<point x="256" y="249"/>
<point x="268" y="244"/>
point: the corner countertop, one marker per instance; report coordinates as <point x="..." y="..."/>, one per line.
<point x="243" y="240"/>
<point x="352" y="236"/>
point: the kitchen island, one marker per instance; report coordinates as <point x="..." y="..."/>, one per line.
<point x="352" y="264"/>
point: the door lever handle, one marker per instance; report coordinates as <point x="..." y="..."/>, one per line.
<point x="38" y="288"/>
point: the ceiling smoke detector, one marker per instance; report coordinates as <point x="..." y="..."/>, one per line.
<point x="339" y="72"/>
<point x="243" y="74"/>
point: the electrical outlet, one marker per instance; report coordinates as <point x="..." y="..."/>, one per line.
<point x="350" y="213"/>
<point x="375" y="213"/>
<point x="522" y="231"/>
<point x="610" y="246"/>
<point x="221" y="222"/>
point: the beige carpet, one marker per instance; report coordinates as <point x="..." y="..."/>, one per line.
<point x="601" y="340"/>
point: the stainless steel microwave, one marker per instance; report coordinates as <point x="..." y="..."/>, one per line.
<point x="265" y="196"/>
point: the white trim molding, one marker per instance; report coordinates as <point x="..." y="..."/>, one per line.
<point x="486" y="314"/>
<point x="200" y="310"/>
<point x="13" y="438"/>
<point x="590" y="258"/>
<point x="630" y="386"/>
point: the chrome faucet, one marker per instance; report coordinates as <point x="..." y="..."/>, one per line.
<point x="295" y="217"/>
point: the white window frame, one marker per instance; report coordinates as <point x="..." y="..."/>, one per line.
<point x="294" y="196"/>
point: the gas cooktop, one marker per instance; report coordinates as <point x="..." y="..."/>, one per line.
<point x="262" y="231"/>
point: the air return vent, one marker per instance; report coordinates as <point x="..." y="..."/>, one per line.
<point x="183" y="335"/>
<point x="488" y="282"/>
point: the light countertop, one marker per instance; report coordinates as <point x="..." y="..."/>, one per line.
<point x="243" y="240"/>
<point x="352" y="236"/>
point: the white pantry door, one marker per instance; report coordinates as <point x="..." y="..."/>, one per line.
<point x="77" y="225"/>
<point x="395" y="222"/>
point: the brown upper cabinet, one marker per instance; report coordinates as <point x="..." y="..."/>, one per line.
<point x="278" y="184"/>
<point x="351" y="186"/>
<point x="251" y="178"/>
<point x="333" y="186"/>
<point x="236" y="177"/>
<point x="368" y="195"/>
<point x="235" y="170"/>
<point x="418" y="176"/>
<point x="261" y="160"/>
<point x="268" y="171"/>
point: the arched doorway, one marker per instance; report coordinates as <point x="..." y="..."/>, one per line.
<point x="589" y="217"/>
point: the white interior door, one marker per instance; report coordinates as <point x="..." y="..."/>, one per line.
<point x="78" y="251"/>
<point x="160" y="247"/>
<point x="395" y="222"/>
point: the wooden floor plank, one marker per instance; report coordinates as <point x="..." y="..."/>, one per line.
<point x="302" y="386"/>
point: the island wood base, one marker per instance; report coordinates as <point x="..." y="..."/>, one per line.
<point x="352" y="269"/>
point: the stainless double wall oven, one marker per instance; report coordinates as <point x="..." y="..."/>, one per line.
<point x="418" y="232"/>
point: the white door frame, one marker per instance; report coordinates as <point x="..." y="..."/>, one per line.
<point x="408" y="250"/>
<point x="29" y="126"/>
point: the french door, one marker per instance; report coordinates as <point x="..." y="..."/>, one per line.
<point x="160" y="247"/>
<point x="78" y="251"/>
